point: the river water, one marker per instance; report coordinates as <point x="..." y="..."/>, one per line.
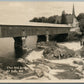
<point x="7" y="55"/>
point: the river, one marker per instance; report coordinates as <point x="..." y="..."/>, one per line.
<point x="7" y="55"/>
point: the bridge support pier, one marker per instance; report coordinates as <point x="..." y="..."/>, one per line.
<point x="19" y="45"/>
<point x="47" y="38"/>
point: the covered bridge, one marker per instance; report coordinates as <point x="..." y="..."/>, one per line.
<point x="17" y="31"/>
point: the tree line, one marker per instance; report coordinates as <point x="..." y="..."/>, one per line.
<point x="52" y="19"/>
<point x="55" y="20"/>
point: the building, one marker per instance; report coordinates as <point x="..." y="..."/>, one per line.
<point x="71" y="19"/>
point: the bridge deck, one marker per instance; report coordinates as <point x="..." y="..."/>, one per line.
<point x="16" y="30"/>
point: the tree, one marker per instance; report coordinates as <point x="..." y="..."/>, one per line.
<point x="40" y="19"/>
<point x="58" y="22"/>
<point x="43" y="19"/>
<point x="80" y="16"/>
<point x="63" y="18"/>
<point x="34" y="20"/>
<point x="51" y="19"/>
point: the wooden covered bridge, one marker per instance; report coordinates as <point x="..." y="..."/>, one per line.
<point x="17" y="31"/>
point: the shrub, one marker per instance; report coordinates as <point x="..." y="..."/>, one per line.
<point x="73" y="36"/>
<point x="57" y="52"/>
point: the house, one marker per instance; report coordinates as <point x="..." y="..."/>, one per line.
<point x="71" y="19"/>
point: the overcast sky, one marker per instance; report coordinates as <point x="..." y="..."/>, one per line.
<point x="22" y="12"/>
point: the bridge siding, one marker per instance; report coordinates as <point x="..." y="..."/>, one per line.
<point x="16" y="31"/>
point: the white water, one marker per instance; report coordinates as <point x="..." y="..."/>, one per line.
<point x="7" y="47"/>
<point x="7" y="54"/>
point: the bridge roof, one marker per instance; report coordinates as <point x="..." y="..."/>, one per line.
<point x="37" y="24"/>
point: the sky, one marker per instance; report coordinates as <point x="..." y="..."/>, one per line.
<point x="22" y="11"/>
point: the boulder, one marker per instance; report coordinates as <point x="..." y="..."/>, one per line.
<point x="39" y="72"/>
<point x="58" y="52"/>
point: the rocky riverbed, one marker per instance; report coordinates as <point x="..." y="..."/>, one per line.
<point x="35" y="66"/>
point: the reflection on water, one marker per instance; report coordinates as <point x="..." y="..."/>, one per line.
<point x="7" y="55"/>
